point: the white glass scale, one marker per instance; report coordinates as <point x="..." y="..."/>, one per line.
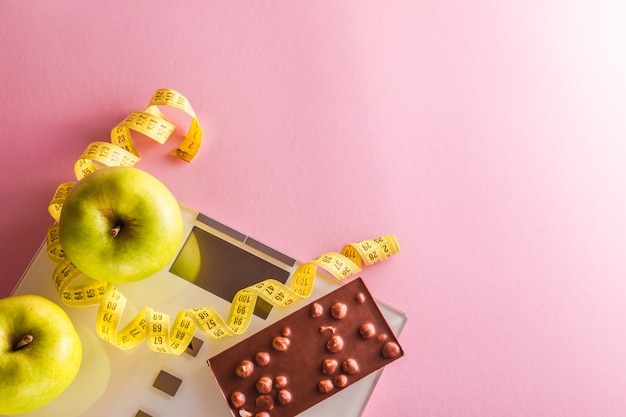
<point x="214" y="262"/>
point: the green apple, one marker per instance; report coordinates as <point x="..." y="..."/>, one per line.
<point x="120" y="224"/>
<point x="40" y="352"/>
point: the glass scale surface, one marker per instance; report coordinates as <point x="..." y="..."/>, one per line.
<point x="213" y="263"/>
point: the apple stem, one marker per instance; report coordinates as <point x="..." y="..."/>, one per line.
<point x="115" y="231"/>
<point x="25" y="340"/>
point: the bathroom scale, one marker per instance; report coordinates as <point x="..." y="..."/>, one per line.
<point x="212" y="264"/>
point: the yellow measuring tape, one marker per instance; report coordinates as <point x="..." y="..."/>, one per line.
<point x="152" y="325"/>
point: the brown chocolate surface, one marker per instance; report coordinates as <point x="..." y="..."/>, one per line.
<point x="296" y="376"/>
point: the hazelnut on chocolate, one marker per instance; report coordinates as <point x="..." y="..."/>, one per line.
<point x="367" y="330"/>
<point x="334" y="344"/>
<point x="280" y="343"/>
<point x="262" y="414"/>
<point x="325" y="386"/>
<point x="316" y="310"/>
<point x="237" y="399"/>
<point x="339" y="310"/>
<point x="340" y="380"/>
<point x="329" y="366"/>
<point x="244" y="369"/>
<point x="350" y="366"/>
<point x="265" y="402"/>
<point x="286" y="331"/>
<point x="327" y="329"/>
<point x="280" y="381"/>
<point x="262" y="358"/>
<point x="360" y="298"/>
<point x="264" y="385"/>
<point x="391" y="350"/>
<point x="284" y="396"/>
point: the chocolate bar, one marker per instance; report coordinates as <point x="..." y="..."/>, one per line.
<point x="304" y="358"/>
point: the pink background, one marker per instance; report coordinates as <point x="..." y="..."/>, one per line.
<point x="489" y="136"/>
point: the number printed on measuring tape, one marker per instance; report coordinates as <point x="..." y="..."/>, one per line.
<point x="155" y="327"/>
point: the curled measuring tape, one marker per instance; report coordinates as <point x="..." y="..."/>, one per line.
<point x="154" y="326"/>
<point x="152" y="123"/>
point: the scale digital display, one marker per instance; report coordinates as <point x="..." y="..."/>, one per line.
<point x="223" y="268"/>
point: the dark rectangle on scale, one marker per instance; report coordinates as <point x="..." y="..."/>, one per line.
<point x="220" y="227"/>
<point x="262" y="247"/>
